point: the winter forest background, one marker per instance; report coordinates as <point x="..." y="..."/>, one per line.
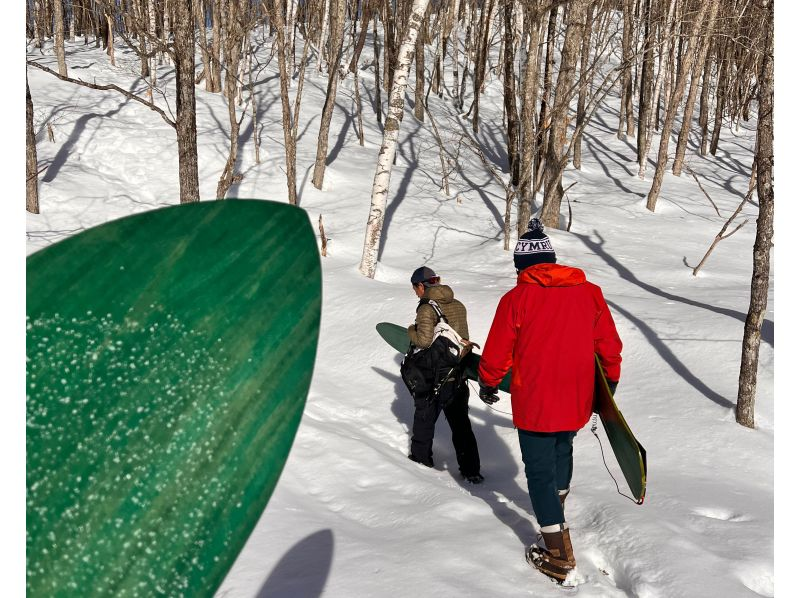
<point x="400" y="124"/>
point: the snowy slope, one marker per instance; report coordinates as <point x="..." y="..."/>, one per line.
<point x="351" y="516"/>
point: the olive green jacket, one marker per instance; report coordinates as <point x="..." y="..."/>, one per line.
<point x="421" y="332"/>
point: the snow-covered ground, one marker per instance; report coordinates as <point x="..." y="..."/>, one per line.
<point x="351" y="515"/>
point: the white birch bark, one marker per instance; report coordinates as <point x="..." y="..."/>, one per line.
<point x="72" y="22"/>
<point x="323" y="35"/>
<point x="454" y="42"/>
<point x="394" y="116"/>
<point x="291" y="9"/>
<point x="151" y="29"/>
<point x="651" y="115"/>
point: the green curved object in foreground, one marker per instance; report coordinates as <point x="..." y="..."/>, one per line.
<point x="169" y="355"/>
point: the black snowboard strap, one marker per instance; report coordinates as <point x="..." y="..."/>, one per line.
<point x="602" y="454"/>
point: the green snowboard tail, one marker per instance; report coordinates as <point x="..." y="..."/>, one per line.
<point x="169" y="355"/>
<point x="630" y="455"/>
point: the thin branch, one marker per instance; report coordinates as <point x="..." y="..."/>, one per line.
<point x="109" y="87"/>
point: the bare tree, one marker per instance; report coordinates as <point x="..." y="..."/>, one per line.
<point x="626" y="97"/>
<point x="627" y="86"/>
<point x="290" y="118"/>
<point x="553" y="191"/>
<point x="31" y="163"/>
<point x="510" y="93"/>
<point x="185" y="119"/>
<point x="481" y="56"/>
<point x="236" y="31"/>
<point x="58" y="17"/>
<point x="394" y="116"/>
<point x="673" y="102"/>
<point x="699" y="65"/>
<point x="530" y="90"/>
<point x="337" y="39"/>
<point x="759" y="287"/>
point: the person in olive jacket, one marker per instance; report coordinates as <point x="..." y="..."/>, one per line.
<point x="547" y="329"/>
<point x="428" y="288"/>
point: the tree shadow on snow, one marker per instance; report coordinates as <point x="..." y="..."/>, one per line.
<point x="303" y="571"/>
<point x="767" y="329"/>
<point x="66" y="149"/>
<point x="498" y="465"/>
<point x="676" y="364"/>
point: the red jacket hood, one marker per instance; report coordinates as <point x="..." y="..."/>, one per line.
<point x="551" y="275"/>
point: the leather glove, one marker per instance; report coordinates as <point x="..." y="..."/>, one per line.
<point x="487" y="394"/>
<point x="612" y="386"/>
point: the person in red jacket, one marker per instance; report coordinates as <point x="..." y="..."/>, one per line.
<point x="547" y="330"/>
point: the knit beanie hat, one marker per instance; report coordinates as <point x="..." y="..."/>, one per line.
<point x="533" y="247"/>
<point x="424" y="275"/>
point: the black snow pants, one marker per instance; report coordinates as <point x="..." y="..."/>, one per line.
<point x="426" y="413"/>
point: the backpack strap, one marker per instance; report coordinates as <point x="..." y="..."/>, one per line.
<point x="439" y="313"/>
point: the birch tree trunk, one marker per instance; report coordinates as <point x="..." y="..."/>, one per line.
<point x="722" y="83"/>
<point x="759" y="287"/>
<point x="377" y="52"/>
<point x="454" y="42"/>
<point x="71" y="21"/>
<point x="31" y="163"/>
<point x="58" y="17"/>
<point x="323" y="35"/>
<point x="234" y="36"/>
<point x="652" y="113"/>
<point x="700" y="62"/>
<point x="291" y="10"/>
<point x="481" y="56"/>
<point x="704" y="104"/>
<point x="544" y="110"/>
<point x="510" y="93"/>
<point x="645" y="83"/>
<point x="394" y="116"/>
<point x="216" y="46"/>
<point x="186" y="123"/>
<point x="626" y="96"/>
<point x="583" y="86"/>
<point x="565" y="89"/>
<point x="672" y="108"/>
<point x="110" y="42"/>
<point x="419" y="78"/>
<point x="289" y="122"/>
<point x="337" y="39"/>
<point x="529" y="99"/>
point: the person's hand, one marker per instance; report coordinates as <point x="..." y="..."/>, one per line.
<point x="487" y="394"/>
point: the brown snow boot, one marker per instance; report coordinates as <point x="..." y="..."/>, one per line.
<point x="557" y="560"/>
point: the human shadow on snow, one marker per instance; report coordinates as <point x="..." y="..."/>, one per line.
<point x="498" y="465"/>
<point x="303" y="571"/>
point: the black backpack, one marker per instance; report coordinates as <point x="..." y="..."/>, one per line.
<point x="434" y="372"/>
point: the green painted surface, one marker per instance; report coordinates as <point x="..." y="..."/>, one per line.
<point x="631" y="455"/>
<point x="169" y="355"/>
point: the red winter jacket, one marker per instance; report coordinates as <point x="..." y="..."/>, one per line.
<point x="547" y="329"/>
